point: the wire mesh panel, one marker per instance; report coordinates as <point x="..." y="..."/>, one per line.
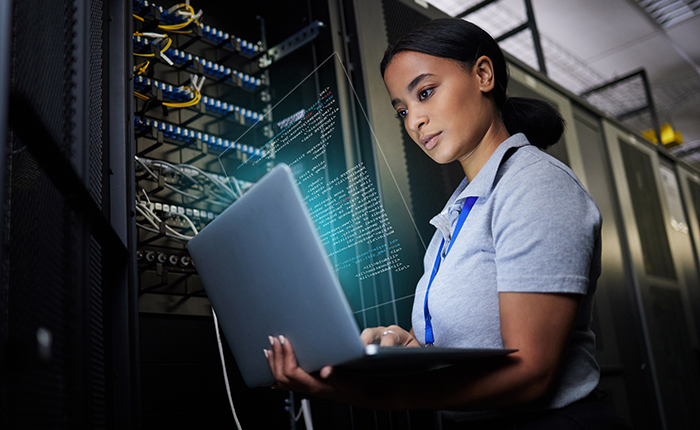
<point x="647" y="212"/>
<point x="55" y="324"/>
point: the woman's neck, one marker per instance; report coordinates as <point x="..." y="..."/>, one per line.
<point x="475" y="160"/>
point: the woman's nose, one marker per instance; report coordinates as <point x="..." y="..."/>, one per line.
<point x="416" y="121"/>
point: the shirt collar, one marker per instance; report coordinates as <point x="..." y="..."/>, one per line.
<point x="481" y="186"/>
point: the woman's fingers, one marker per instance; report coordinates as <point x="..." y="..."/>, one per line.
<point x="372" y="335"/>
<point x="277" y="360"/>
<point x="391" y="337"/>
<point x="367" y="336"/>
<point x="326" y="372"/>
<point x="286" y="370"/>
<point x="388" y="336"/>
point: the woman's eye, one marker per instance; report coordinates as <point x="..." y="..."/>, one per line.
<point x="424" y="94"/>
<point x="401" y="114"/>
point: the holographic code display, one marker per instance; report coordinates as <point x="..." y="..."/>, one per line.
<point x="343" y="200"/>
<point x="346" y="208"/>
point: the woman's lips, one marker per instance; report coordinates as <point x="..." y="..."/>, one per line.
<point x="431" y="140"/>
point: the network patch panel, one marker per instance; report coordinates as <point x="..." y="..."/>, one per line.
<point x="197" y="89"/>
<point x="185" y="135"/>
<point x="182" y="94"/>
<point x="148" y="11"/>
<point x="145" y="47"/>
<point x="202" y="106"/>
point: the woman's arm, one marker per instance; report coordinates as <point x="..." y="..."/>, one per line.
<point x="537" y="324"/>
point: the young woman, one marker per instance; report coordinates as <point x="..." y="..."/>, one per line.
<point x="514" y="260"/>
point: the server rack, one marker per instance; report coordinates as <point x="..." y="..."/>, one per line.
<point x="666" y="317"/>
<point x="67" y="355"/>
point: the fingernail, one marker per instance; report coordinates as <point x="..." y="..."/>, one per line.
<point x="282" y="339"/>
<point x="272" y="340"/>
<point x="266" y="353"/>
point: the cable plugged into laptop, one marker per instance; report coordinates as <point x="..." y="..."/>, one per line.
<point x="305" y="408"/>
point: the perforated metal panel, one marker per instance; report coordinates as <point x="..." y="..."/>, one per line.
<point x="695" y="193"/>
<point x="647" y="212"/>
<point x="55" y="324"/>
<point x="675" y="366"/>
<point x="38" y="228"/>
<point x="96" y="89"/>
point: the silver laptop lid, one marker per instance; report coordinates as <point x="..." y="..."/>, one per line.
<point x="266" y="273"/>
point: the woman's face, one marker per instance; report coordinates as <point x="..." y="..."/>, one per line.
<point x="445" y="108"/>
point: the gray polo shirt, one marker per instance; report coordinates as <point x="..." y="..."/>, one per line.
<point x="533" y="228"/>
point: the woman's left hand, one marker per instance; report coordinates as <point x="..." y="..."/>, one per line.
<point x="288" y="374"/>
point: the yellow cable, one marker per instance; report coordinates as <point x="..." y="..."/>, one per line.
<point x="175" y="26"/>
<point x="167" y="45"/>
<point x="194" y="101"/>
<point x="181" y="25"/>
<point x="140" y="69"/>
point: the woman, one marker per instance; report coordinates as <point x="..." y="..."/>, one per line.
<point x="514" y="260"/>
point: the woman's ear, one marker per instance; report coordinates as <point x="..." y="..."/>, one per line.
<point x="485" y="75"/>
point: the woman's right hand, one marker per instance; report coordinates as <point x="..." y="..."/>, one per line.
<point x="389" y="336"/>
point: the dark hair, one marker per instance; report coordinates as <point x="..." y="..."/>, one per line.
<point x="460" y="40"/>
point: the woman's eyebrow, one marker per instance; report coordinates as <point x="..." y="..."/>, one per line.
<point x="412" y="85"/>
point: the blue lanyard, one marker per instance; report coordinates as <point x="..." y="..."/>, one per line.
<point x="468" y="204"/>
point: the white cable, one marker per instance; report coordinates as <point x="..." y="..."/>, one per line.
<point x="171" y="236"/>
<point x="151" y="216"/>
<point x="171" y="167"/>
<point x="306" y="408"/>
<point x="148" y="218"/>
<point x="197" y="185"/>
<point x="223" y="366"/>
<point x="211" y="177"/>
<point x="146" y="195"/>
<point x="189" y="221"/>
<point x="154" y="35"/>
<point x="165" y="57"/>
<point x="199" y="85"/>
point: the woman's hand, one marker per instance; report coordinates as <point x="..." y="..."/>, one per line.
<point x="288" y="374"/>
<point x="389" y="336"/>
<point x="328" y="382"/>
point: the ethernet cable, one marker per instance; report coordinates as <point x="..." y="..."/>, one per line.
<point x="180" y="169"/>
<point x="171" y="234"/>
<point x="223" y="366"/>
<point x="145" y="211"/>
<point x="151" y="217"/>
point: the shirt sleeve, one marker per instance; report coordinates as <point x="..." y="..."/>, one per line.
<point x="544" y="228"/>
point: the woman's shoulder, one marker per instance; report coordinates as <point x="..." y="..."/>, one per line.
<point x="532" y="181"/>
<point x="531" y="167"/>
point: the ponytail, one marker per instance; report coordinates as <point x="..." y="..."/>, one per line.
<point x="462" y="41"/>
<point x="536" y="119"/>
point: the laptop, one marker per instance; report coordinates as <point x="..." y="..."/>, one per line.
<point x="266" y="272"/>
